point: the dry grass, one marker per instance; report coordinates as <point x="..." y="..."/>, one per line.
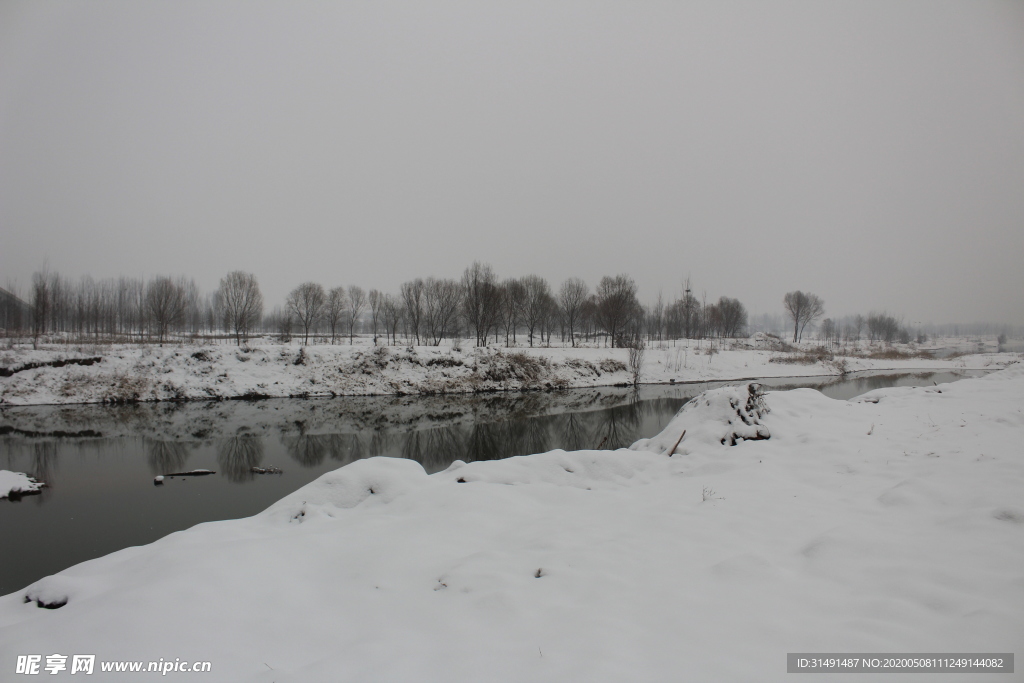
<point x="803" y="358"/>
<point x="791" y="354"/>
<point x="895" y="354"/>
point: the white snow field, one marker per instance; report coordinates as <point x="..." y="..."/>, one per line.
<point x="890" y="523"/>
<point x="58" y="375"/>
<point x="17" y="483"/>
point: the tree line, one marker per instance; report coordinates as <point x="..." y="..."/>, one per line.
<point x="424" y="311"/>
<point x="487" y="309"/>
<point x="479" y="306"/>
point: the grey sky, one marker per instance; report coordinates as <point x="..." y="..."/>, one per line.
<point x="871" y="152"/>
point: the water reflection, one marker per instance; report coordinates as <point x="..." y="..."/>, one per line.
<point x="238" y="455"/>
<point x="347" y="447"/>
<point x="316" y="434"/>
<point x="166" y="456"/>
<point x="611" y="428"/>
<point x="309" y="450"/>
<point x="573" y="431"/>
<point x="45" y="455"/>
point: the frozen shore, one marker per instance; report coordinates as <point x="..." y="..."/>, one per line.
<point x="152" y="373"/>
<point x="890" y="523"/>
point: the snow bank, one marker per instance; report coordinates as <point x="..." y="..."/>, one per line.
<point x="132" y="374"/>
<point x="857" y="526"/>
<point x="16" y="484"/>
<point x="383" y="479"/>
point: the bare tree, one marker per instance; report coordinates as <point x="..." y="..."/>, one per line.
<point x="356" y="305"/>
<point x="441" y="302"/>
<point x="656" y="319"/>
<point x="165" y="303"/>
<point x="733" y="316"/>
<point x="412" y="300"/>
<point x="376" y="299"/>
<point x="42" y="302"/>
<point x="712" y="320"/>
<point x="481" y="300"/>
<point x="337" y="305"/>
<point x="241" y="302"/>
<point x="588" y="317"/>
<point x="802" y="308"/>
<point x="829" y="332"/>
<point x="549" y="317"/>
<point x="857" y="326"/>
<point x="617" y="306"/>
<point x="193" y="305"/>
<point x="572" y="295"/>
<point x="636" y="357"/>
<point x="690" y="312"/>
<point x="306" y="302"/>
<point x="393" y="313"/>
<point x="535" y="302"/>
<point x="279" y="320"/>
<point x="511" y="296"/>
<point x="884" y="327"/>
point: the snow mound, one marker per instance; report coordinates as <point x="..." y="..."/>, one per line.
<point x="578" y="469"/>
<point x="16" y="484"/>
<point x="52" y="592"/>
<point x="716" y="417"/>
<point x="380" y="479"/>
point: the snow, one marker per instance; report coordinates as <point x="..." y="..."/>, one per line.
<point x="723" y="416"/>
<point x="17" y="483"/>
<point x="152" y="373"/>
<point x="885" y="524"/>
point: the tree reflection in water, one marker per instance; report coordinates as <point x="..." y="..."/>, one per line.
<point x="381" y="442"/>
<point x="166" y="456"/>
<point x="575" y="432"/>
<point x="436" y="448"/>
<point x="309" y="450"/>
<point x="618" y="427"/>
<point x="238" y="455"/>
<point x="44" y="461"/>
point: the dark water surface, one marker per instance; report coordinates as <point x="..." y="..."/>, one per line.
<point x="99" y="461"/>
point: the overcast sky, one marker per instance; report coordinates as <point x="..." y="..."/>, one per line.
<point x="870" y="152"/>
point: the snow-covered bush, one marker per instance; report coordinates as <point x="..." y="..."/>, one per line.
<point x="723" y="416"/>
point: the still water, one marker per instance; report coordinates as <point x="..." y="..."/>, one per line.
<point x="100" y="461"/>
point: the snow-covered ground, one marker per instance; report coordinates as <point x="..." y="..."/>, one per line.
<point x="14" y="484"/>
<point x="891" y="523"/>
<point x="150" y="373"/>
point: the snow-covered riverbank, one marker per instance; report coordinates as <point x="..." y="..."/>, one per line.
<point x="150" y="373"/>
<point x="891" y="523"/>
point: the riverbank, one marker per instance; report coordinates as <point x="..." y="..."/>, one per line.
<point x="885" y="524"/>
<point x="117" y="374"/>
